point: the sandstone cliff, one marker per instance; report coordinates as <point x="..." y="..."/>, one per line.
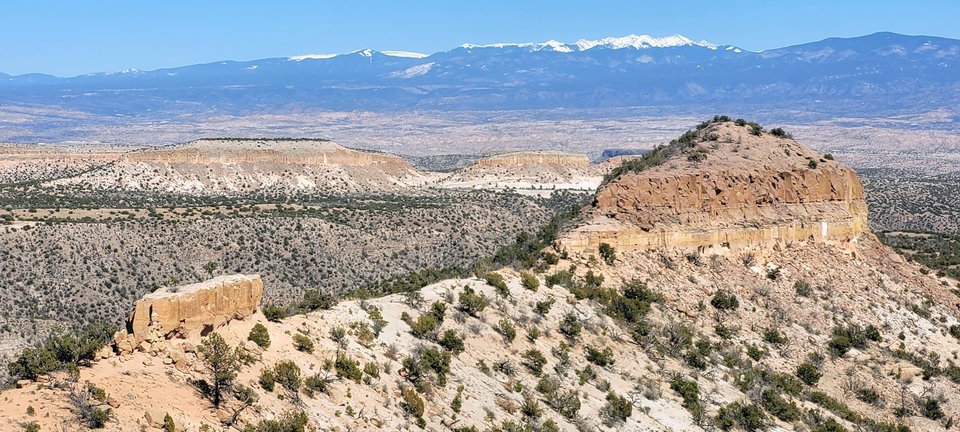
<point x="519" y="159"/>
<point x="726" y="188"/>
<point x="301" y="152"/>
<point x="530" y="172"/>
<point x="189" y="310"/>
<point x="241" y="166"/>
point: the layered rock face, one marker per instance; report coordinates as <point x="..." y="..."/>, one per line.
<point x="519" y="159"/>
<point x="303" y="152"/>
<point x="187" y="310"/>
<point x="749" y="190"/>
<point x="242" y="166"/>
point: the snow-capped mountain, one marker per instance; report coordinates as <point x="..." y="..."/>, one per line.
<point x="878" y="71"/>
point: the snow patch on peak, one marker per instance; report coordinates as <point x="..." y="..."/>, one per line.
<point x="552" y="45"/>
<point x="412" y="72"/>
<point x="641" y="42"/>
<point x="311" y="57"/>
<point x="629" y="41"/>
<point x="365" y="52"/>
<point x="405" y="54"/>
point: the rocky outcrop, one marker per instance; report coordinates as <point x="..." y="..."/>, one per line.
<point x="748" y="190"/>
<point x="187" y="310"/>
<point x="301" y="152"/>
<point x="520" y="159"/>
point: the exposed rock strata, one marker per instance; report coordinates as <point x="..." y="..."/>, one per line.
<point x="301" y="152"/>
<point x="519" y="159"/>
<point x="749" y="190"/>
<point x="190" y="309"/>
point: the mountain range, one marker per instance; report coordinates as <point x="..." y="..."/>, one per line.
<point x="874" y="73"/>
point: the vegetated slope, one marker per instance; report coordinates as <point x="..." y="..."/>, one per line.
<point x="901" y="200"/>
<point x="67" y="273"/>
<point x="244" y="166"/>
<point x="725" y="183"/>
<point x="816" y="333"/>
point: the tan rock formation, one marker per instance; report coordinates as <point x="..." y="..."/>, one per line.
<point x="749" y="190"/>
<point x="189" y="309"/>
<point x="518" y="159"/>
<point x="301" y="152"/>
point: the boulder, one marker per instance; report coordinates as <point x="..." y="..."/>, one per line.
<point x="187" y="310"/>
<point x="154" y="417"/>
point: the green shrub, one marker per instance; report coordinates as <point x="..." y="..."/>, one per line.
<point x="779" y="407"/>
<point x="599" y="357"/>
<point x="506" y="329"/>
<point x="60" y="350"/>
<point x="930" y="408"/>
<point x="773" y="336"/>
<point x="303" y="343"/>
<point x="542" y="308"/>
<point x="955" y="330"/>
<point x="287" y="374"/>
<point x="371" y="369"/>
<point x="780" y="133"/>
<point x="802" y="288"/>
<point x="412" y="402"/>
<point x="747" y="417"/>
<point x="424" y="327"/>
<point x="274" y="313"/>
<point x="472" y="303"/>
<point x="315" y="300"/>
<point x="567" y="403"/>
<point x="633" y="304"/>
<point x="617" y="409"/>
<point x="535" y="361"/>
<point x="808" y="373"/>
<point x="608" y="253"/>
<point x="570" y="325"/>
<point x="260" y="336"/>
<point x="315" y="384"/>
<point x="688" y="390"/>
<point x="422" y="364"/>
<point x="529" y="281"/>
<point x="292" y="421"/>
<point x="348" y="367"/>
<point x="724" y="301"/>
<point x="496" y="280"/>
<point x="168" y="425"/>
<point x="451" y="342"/>
<point x="852" y="336"/>
<point x="831" y="425"/>
<point x="267" y="379"/>
<point x="756" y="352"/>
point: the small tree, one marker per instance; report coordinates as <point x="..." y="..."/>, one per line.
<point x="168" y="424"/>
<point x="808" y="373"/>
<point x="570" y="325"/>
<point x="608" y="253"/>
<point x="223" y="363"/>
<point x="260" y="336"/>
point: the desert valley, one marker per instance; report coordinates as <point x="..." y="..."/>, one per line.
<point x="391" y="216"/>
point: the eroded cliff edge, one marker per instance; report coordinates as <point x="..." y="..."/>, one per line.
<point x="723" y="185"/>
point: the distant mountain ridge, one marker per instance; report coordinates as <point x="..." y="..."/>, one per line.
<point x="841" y="75"/>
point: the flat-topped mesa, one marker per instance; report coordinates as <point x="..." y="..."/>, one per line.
<point x="188" y="310"/>
<point x="279" y="151"/>
<point x="723" y="186"/>
<point x="519" y="159"/>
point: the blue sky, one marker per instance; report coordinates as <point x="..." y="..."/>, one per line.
<point x="73" y="37"/>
